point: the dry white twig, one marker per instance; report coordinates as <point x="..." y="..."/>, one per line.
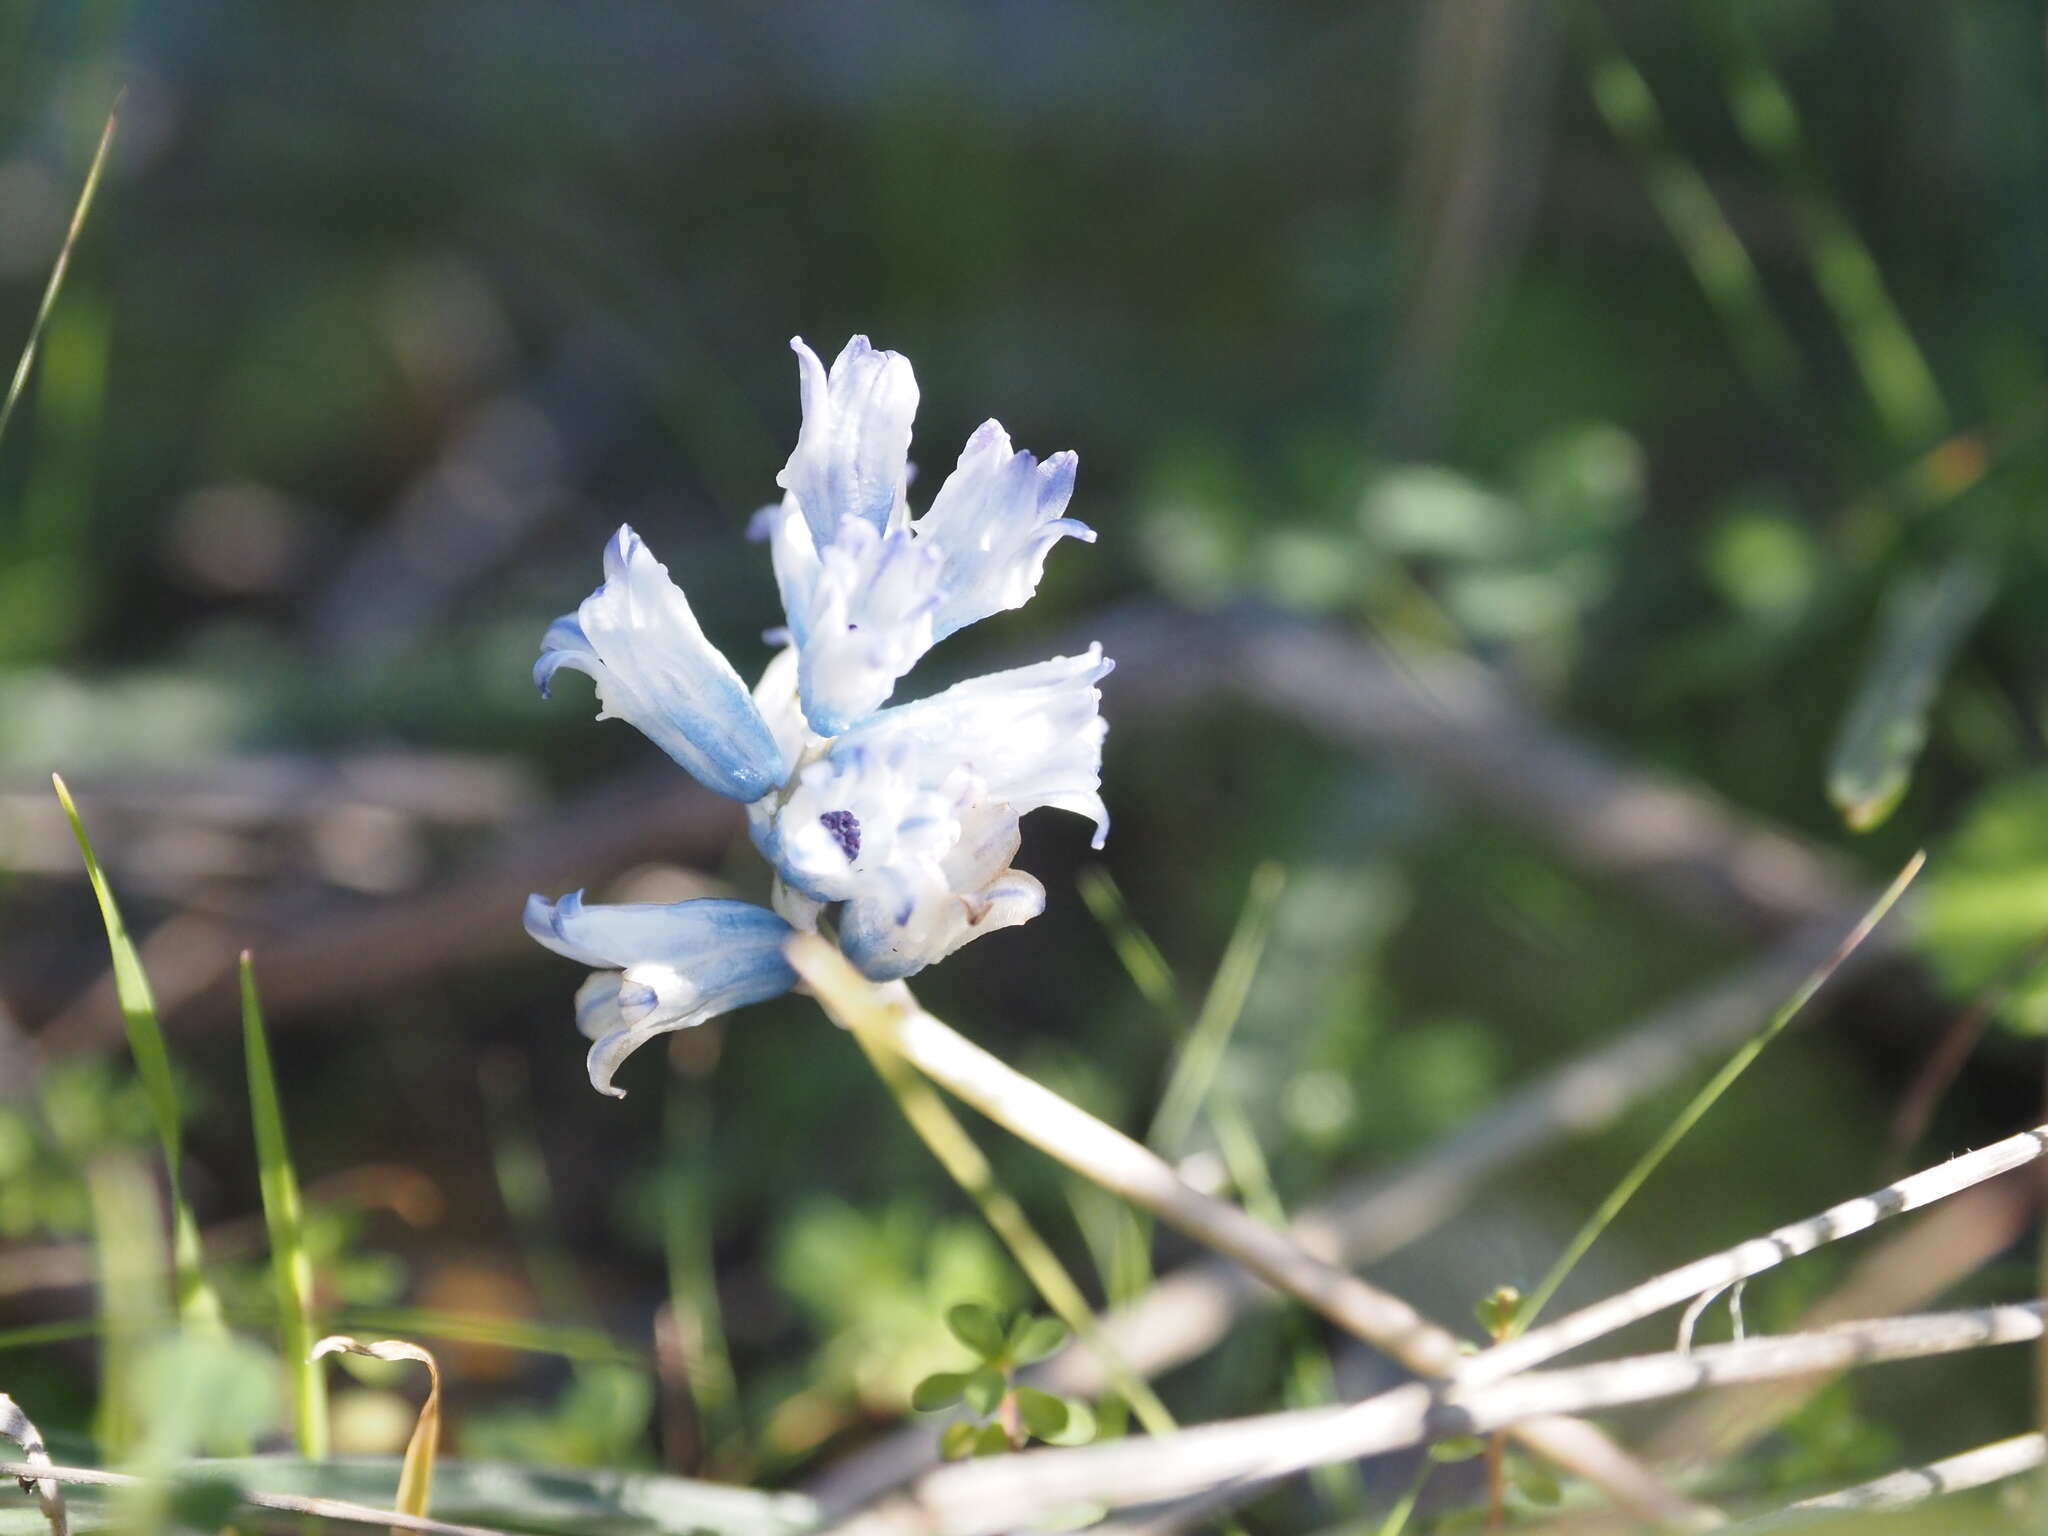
<point x="1709" y="1276"/>
<point x="979" y="1498"/>
<point x="1901" y="1490"/>
<point x="1189" y="1309"/>
<point x="15" y="1425"/>
<point x="892" y="1018"/>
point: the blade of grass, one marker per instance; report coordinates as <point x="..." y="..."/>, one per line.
<point x="198" y="1305"/>
<point x="1706" y="1098"/>
<point x="1194" y="1071"/>
<point x="1693" y="215"/>
<point x="62" y="1331"/>
<point x="128" y="1250"/>
<point x="568" y="1343"/>
<point x="692" y="1279"/>
<point x="1311" y="1375"/>
<point x="290" y="1266"/>
<point x="1141" y="958"/>
<point x="1893" y="369"/>
<point x="26" y="365"/>
<point x="1923" y="623"/>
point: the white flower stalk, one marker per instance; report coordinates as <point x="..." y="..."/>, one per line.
<point x="894" y="826"/>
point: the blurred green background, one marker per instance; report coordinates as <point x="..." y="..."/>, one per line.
<point x="1684" y="366"/>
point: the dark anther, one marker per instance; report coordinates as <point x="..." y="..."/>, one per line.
<point x="845" y="829"/>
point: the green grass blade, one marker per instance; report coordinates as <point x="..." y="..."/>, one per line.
<point x="127" y="1249"/>
<point x="291" y="1267"/>
<point x="197" y="1302"/>
<point x="1924" y="622"/>
<point x="1141" y="958"/>
<point x="1194" y="1071"/>
<point x="62" y="1331"/>
<point x="1894" y="371"/>
<point x="1705" y="1099"/>
<point x="26" y="365"/>
<point x="1693" y="215"/>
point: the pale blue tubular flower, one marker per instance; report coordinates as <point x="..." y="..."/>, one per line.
<point x="860" y="612"/>
<point x="891" y="826"/>
<point x="992" y="523"/>
<point x="866" y="591"/>
<point x="852" y="454"/>
<point x="640" y="643"/>
<point x="910" y="819"/>
<point x="663" y="966"/>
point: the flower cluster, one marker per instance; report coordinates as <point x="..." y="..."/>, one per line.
<point x="895" y="823"/>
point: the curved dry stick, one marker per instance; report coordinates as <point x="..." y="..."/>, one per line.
<point x="981" y="1498"/>
<point x="888" y="1016"/>
<point x="1704" y="1277"/>
<point x="15" y="1425"/>
<point x="1915" y="1485"/>
<point x="1189" y="1309"/>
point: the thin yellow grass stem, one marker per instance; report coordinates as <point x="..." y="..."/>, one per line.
<point x="27" y="361"/>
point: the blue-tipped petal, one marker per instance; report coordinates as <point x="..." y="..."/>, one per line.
<point x="992" y="523"/>
<point x="676" y="964"/>
<point x="853" y="450"/>
<point x="639" y="641"/>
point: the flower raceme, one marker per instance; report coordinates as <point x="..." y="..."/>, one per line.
<point x="897" y="822"/>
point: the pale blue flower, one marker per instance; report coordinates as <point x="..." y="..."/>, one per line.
<point x="992" y="523"/>
<point x="911" y="817"/>
<point x="639" y="641"/>
<point x="852" y="454"/>
<point x="662" y="966"/>
<point x="869" y="592"/>
<point x="893" y="826"/>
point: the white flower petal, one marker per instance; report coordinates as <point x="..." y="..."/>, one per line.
<point x="667" y="966"/>
<point x="853" y="449"/>
<point x="992" y="523"/>
<point x="868" y="621"/>
<point x="885" y="945"/>
<point x="1033" y="736"/>
<point x="639" y="641"/>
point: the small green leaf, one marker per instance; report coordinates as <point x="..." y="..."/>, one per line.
<point x="1535" y="1483"/>
<point x="1496" y="1310"/>
<point x="1033" y="1338"/>
<point x="1463" y="1448"/>
<point x="940" y="1390"/>
<point x="991" y="1440"/>
<point x="1923" y="624"/>
<point x="1043" y="1414"/>
<point x="983" y="1388"/>
<point x="1080" y="1425"/>
<point x="977" y="1327"/>
<point x="956" y="1443"/>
